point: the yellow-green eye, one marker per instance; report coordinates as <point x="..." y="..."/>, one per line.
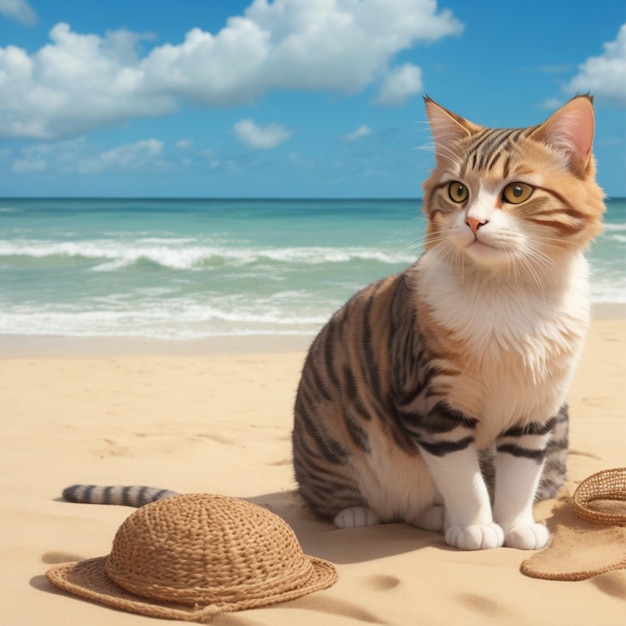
<point x="457" y="191"/>
<point x="515" y="193"/>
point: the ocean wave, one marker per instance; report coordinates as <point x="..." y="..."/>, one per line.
<point x="615" y="226"/>
<point x="159" y="312"/>
<point x="155" y="322"/>
<point x="608" y="289"/>
<point x="182" y="254"/>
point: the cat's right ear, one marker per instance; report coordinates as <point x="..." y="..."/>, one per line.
<point x="447" y="129"/>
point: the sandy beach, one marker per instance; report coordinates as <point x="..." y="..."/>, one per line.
<point x="216" y="417"/>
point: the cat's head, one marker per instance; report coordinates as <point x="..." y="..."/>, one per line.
<point x="499" y="195"/>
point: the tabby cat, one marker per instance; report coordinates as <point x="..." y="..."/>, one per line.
<point x="427" y="383"/>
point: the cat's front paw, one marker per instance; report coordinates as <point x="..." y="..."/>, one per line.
<point x="527" y="537"/>
<point x="475" y="536"/>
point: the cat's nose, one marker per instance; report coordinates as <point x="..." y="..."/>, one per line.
<point x="475" y="224"/>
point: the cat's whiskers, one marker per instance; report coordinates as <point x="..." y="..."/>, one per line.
<point x="511" y="266"/>
<point x="554" y="244"/>
<point x="543" y="267"/>
<point x="420" y="245"/>
<point x="525" y="261"/>
<point x="413" y="248"/>
<point x="544" y="261"/>
<point x="460" y="259"/>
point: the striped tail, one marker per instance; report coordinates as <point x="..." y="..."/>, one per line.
<point x="118" y="494"/>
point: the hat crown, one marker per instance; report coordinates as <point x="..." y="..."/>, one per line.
<point x="206" y="549"/>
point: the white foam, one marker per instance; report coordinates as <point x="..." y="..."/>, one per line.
<point x="613" y="226"/>
<point x="175" y="318"/>
<point x="608" y="289"/>
<point x="181" y="254"/>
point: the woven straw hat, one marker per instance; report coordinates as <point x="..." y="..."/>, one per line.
<point x="191" y="557"/>
<point x="607" y="487"/>
<point x="589" y="531"/>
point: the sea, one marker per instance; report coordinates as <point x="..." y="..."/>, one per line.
<point x="191" y="268"/>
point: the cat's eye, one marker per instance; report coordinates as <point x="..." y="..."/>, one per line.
<point x="457" y="191"/>
<point x="515" y="193"/>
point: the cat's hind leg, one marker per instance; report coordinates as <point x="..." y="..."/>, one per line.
<point x="431" y="518"/>
<point x="356" y="517"/>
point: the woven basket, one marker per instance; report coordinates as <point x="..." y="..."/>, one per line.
<point x="608" y="485"/>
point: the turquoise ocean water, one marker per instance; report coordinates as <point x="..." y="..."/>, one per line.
<point x="197" y="268"/>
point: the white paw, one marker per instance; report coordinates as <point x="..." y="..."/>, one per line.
<point x="475" y="536"/>
<point x="527" y="537"/>
<point x="355" y="517"/>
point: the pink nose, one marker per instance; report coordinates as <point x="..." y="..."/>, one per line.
<point x="474" y="224"/>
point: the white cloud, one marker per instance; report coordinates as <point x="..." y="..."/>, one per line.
<point x="263" y="137"/>
<point x="359" y="133"/>
<point x="184" y="144"/>
<point x="80" y="82"/>
<point x="18" y="10"/>
<point x="35" y="158"/>
<point x="128" y="157"/>
<point x="74" y="84"/>
<point x="605" y="75"/>
<point x="552" y="104"/>
<point x="75" y="156"/>
<point x="399" y="84"/>
<point x="29" y="166"/>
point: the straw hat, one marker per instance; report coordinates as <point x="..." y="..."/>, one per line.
<point x="191" y="557"/>
<point x="589" y="531"/>
<point x="607" y="486"/>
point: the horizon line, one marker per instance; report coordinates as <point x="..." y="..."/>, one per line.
<point x="348" y="198"/>
<point x="284" y="198"/>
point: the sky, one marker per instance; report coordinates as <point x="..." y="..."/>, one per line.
<point x="286" y="98"/>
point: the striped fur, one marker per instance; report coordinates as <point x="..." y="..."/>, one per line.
<point x="118" y="494"/>
<point x="437" y="396"/>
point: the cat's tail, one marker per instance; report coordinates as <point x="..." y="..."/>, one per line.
<point x="116" y="494"/>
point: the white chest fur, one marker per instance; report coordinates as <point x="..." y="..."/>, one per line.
<point x="518" y="345"/>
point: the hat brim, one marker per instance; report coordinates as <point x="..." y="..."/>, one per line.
<point x="88" y="579"/>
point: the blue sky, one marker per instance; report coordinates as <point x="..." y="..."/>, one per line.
<point x="290" y="98"/>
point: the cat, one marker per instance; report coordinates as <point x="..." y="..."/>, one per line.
<point x="437" y="396"/>
<point x="427" y="383"/>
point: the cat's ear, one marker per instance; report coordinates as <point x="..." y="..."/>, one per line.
<point x="570" y="132"/>
<point x="447" y="129"/>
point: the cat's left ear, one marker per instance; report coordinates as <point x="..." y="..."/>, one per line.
<point x="570" y="132"/>
<point x="447" y="129"/>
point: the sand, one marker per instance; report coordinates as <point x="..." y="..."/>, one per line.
<point x="217" y="418"/>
